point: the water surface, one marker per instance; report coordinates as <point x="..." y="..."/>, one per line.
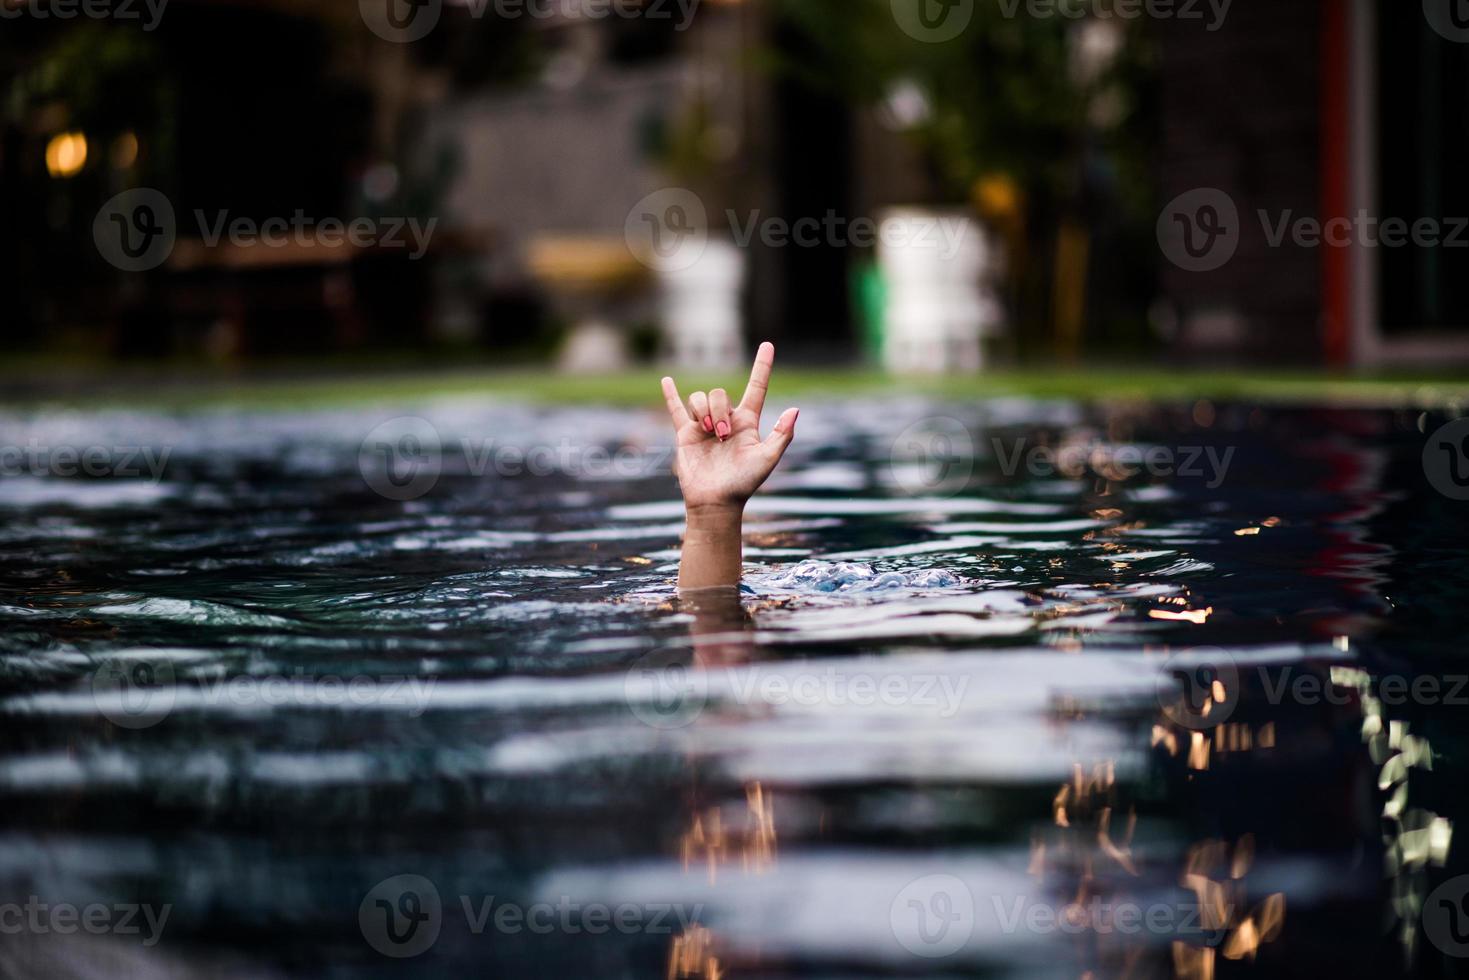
<point x="335" y="687"/>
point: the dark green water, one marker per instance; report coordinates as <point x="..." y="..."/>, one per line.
<point x="341" y="699"/>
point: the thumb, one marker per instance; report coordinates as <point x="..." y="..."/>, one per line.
<point x="780" y="437"/>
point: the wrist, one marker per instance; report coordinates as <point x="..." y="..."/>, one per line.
<point x="712" y="547"/>
<point x="714" y="517"/>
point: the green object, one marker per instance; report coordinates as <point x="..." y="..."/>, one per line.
<point x="872" y="302"/>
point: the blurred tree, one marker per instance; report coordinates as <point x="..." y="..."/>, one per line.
<point x="108" y="84"/>
<point x="1044" y="124"/>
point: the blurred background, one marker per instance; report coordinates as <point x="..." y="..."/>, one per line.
<point x="514" y="170"/>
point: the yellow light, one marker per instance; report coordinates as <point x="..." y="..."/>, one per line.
<point x="66" y="154"/>
<point x="997" y="195"/>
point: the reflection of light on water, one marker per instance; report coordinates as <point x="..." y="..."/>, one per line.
<point x="1415" y="838"/>
<point x="1228" y="737"/>
<point x="1215" y="873"/>
<point x="710" y="843"/>
<point x="692" y="956"/>
<point x="1260" y="927"/>
<point x="1090" y="837"/>
<point x="759" y="852"/>
<point x="1196" y="616"/>
<point x="1082" y="806"/>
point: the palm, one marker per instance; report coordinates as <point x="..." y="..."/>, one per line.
<point x="715" y="471"/>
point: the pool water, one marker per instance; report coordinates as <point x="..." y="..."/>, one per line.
<point x="1013" y="688"/>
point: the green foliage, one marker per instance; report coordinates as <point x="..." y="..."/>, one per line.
<point x="106" y="81"/>
<point x="1005" y="95"/>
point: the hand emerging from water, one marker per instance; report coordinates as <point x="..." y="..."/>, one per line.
<point x="721" y="461"/>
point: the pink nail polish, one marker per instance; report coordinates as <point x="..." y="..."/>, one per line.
<point x="708" y="423"/>
<point x="722" y="430"/>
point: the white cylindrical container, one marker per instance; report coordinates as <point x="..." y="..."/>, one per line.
<point x="938" y="266"/>
<point x="700" y="307"/>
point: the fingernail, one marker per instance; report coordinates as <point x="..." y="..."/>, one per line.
<point x="722" y="430"/>
<point x="708" y="423"/>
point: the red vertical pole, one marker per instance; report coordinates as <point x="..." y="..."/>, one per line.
<point x="1336" y="171"/>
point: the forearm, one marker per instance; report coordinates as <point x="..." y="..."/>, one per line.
<point x="712" y="548"/>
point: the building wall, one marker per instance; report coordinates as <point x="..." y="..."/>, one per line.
<point x="1242" y="113"/>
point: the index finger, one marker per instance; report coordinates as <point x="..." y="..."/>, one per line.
<point x="676" y="409"/>
<point x="754" y="399"/>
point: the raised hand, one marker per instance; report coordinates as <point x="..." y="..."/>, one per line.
<point x="721" y="460"/>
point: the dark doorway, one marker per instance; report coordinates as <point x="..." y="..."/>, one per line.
<point x="813" y="167"/>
